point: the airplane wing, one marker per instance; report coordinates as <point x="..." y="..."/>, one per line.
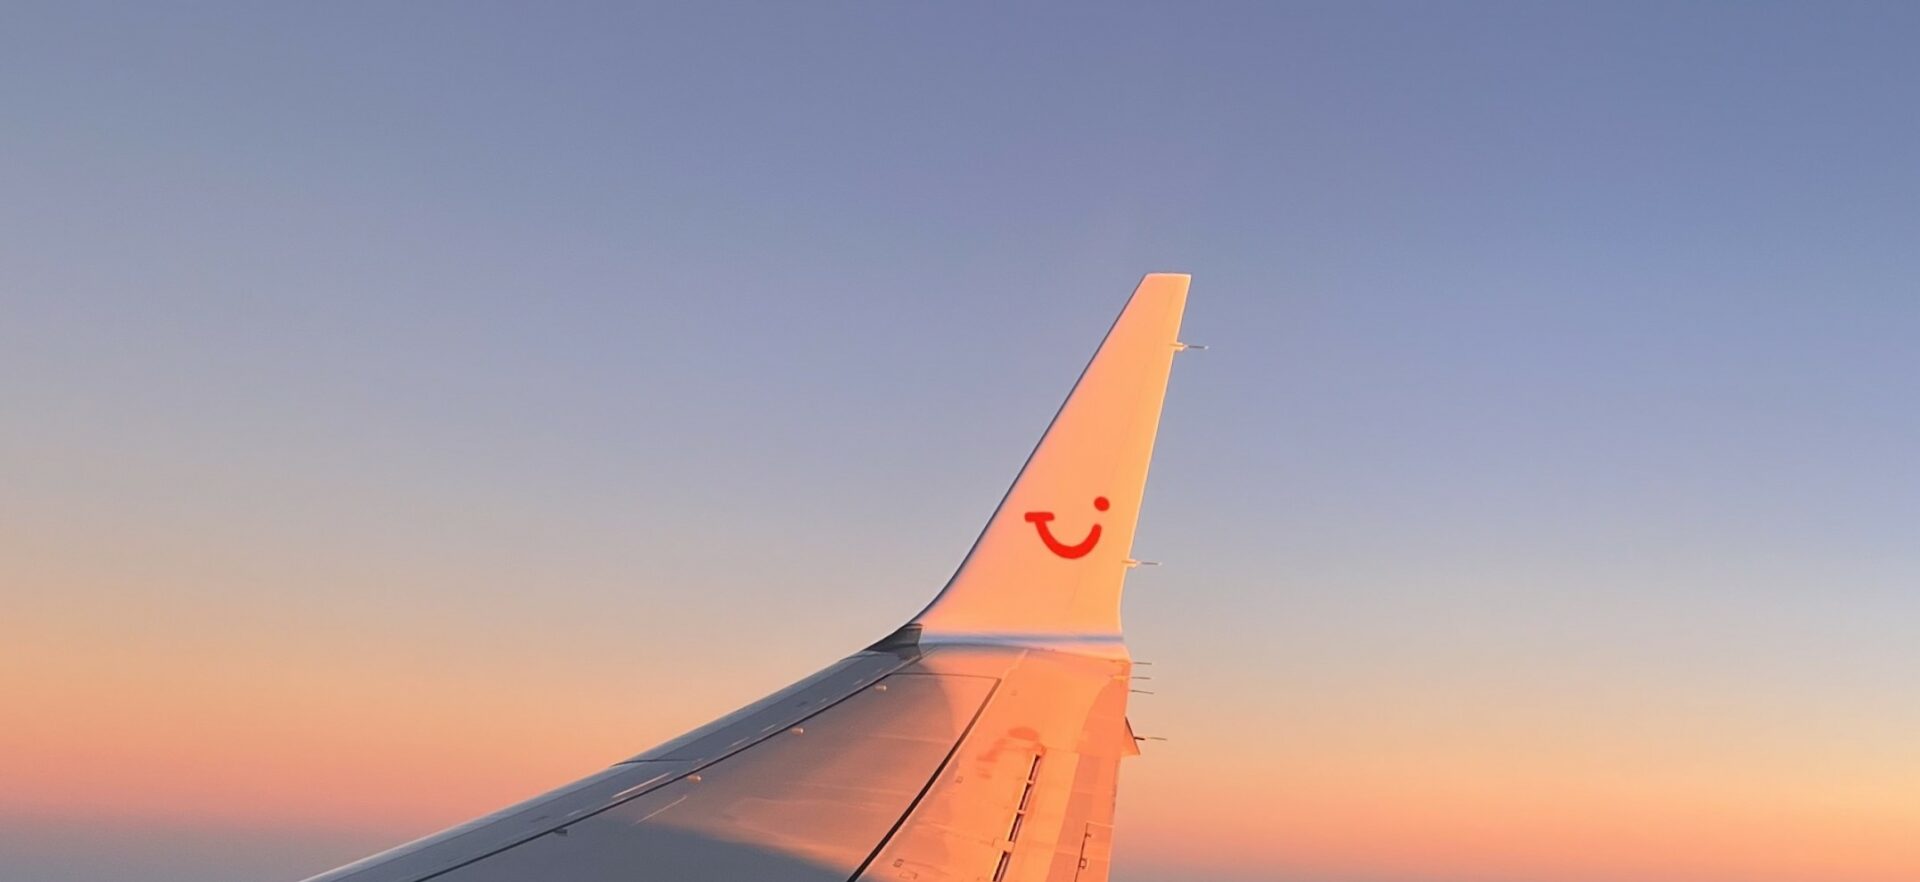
<point x="982" y="741"/>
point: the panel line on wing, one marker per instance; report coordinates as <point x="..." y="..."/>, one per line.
<point x="735" y="750"/>
<point x="945" y="763"/>
<point x="1019" y="818"/>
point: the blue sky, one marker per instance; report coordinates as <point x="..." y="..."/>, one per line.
<point x="1553" y="348"/>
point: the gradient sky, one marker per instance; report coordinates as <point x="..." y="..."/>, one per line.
<point x="406" y="408"/>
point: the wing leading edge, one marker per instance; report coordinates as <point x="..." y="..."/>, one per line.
<point x="981" y="742"/>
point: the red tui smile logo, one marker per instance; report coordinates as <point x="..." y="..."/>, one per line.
<point x="1039" y="521"/>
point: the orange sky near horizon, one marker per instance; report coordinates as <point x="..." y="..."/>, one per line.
<point x="1379" y="783"/>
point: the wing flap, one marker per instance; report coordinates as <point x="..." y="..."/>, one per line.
<point x="1040" y="765"/>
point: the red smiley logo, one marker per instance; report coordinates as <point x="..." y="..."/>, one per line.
<point x="1039" y="521"/>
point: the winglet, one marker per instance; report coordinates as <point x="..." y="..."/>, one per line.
<point x="1049" y="566"/>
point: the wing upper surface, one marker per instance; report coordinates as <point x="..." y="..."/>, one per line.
<point x="551" y="813"/>
<point x="953" y="763"/>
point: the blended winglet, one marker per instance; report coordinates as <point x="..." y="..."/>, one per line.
<point x="1050" y="564"/>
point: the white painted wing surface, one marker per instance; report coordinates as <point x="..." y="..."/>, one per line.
<point x="981" y="742"/>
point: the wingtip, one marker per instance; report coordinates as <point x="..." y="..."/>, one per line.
<point x="1164" y="286"/>
<point x="1018" y="582"/>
